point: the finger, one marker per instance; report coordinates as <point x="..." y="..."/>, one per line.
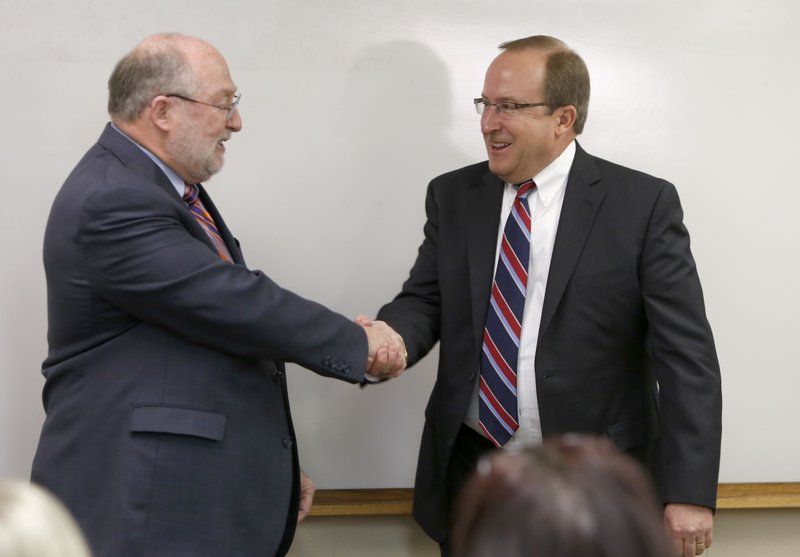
<point x="303" y="512"/>
<point x="395" y="363"/>
<point x="677" y="546"/>
<point x="700" y="545"/>
<point x="688" y="547"/>
<point x="307" y="490"/>
<point x="363" y="320"/>
<point x="305" y="507"/>
<point x="379" y="364"/>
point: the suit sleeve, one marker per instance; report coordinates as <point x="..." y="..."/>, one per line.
<point x="683" y="357"/>
<point x="139" y="256"/>
<point x="415" y="311"/>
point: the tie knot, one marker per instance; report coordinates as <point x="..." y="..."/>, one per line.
<point x="525" y="188"/>
<point x="191" y="193"/>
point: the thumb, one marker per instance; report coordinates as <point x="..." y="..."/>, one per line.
<point x="363" y="320"/>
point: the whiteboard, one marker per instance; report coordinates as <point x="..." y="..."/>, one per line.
<point x="350" y="108"/>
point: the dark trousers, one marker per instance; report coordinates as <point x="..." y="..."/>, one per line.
<point x="467" y="450"/>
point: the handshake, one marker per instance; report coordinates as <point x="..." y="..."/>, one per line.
<point x="387" y="352"/>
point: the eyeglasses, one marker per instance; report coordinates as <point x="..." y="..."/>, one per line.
<point x="230" y="109"/>
<point x="503" y="108"/>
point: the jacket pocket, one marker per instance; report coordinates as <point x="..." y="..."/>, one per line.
<point x="178" y="421"/>
<point x="615" y="277"/>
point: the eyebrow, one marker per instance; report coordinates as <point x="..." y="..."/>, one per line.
<point x="502" y="99"/>
<point x="227" y="92"/>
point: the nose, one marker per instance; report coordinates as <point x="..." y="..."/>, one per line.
<point x="490" y="121"/>
<point x="235" y="121"/>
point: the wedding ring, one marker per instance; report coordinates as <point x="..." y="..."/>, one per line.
<point x="405" y="354"/>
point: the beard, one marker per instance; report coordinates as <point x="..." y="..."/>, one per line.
<point x="196" y="153"/>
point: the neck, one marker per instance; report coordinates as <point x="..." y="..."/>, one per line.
<point x="151" y="140"/>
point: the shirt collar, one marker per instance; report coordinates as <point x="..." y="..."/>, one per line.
<point x="176" y="181"/>
<point x="554" y="176"/>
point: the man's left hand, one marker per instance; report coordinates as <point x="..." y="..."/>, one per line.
<point x="307" y="490"/>
<point x="689" y="528"/>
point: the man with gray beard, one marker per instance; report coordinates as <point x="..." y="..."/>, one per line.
<point x="168" y="430"/>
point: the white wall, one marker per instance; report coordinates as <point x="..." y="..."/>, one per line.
<point x="350" y="107"/>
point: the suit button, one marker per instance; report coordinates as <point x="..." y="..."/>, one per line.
<point x="345" y="369"/>
<point x="288" y="442"/>
<point x="450" y="441"/>
<point x="472" y="377"/>
<point x="277" y="373"/>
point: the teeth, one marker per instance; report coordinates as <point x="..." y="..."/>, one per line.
<point x="500" y="145"/>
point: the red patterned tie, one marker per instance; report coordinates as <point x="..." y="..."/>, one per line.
<point x="191" y="194"/>
<point x="498" y="416"/>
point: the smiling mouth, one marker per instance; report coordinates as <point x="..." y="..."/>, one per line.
<point x="496" y="147"/>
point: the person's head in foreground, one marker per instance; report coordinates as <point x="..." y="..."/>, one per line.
<point x="575" y="496"/>
<point x="33" y="523"/>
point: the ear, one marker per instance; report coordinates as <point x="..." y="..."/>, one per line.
<point x="161" y="112"/>
<point x="566" y="118"/>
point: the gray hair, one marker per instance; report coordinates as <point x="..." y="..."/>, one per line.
<point x="156" y="67"/>
<point x="34" y="522"/>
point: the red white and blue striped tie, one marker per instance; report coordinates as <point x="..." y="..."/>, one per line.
<point x="191" y="195"/>
<point x="498" y="383"/>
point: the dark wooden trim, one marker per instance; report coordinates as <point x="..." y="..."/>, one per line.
<point x="383" y="502"/>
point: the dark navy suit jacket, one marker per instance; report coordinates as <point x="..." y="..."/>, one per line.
<point x="624" y="348"/>
<point x="168" y="430"/>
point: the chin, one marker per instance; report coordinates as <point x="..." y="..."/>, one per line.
<point x="212" y="168"/>
<point x="497" y="171"/>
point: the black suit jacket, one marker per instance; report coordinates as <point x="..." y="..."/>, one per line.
<point x="168" y="430"/>
<point x="624" y="349"/>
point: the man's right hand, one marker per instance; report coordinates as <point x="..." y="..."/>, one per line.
<point x="387" y="352"/>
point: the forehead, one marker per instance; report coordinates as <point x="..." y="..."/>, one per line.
<point x="213" y="75"/>
<point x="516" y="74"/>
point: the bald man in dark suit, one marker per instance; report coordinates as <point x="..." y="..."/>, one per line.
<point x="168" y="431"/>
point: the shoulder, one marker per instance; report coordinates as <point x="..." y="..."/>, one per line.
<point x="619" y="180"/>
<point x="104" y="195"/>
<point x="462" y="179"/>
<point x="475" y="171"/>
<point x="100" y="175"/>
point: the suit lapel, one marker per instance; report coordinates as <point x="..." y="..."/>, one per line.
<point x="582" y="198"/>
<point x="483" y="209"/>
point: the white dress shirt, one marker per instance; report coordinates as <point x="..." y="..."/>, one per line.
<point x="545" y="203"/>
